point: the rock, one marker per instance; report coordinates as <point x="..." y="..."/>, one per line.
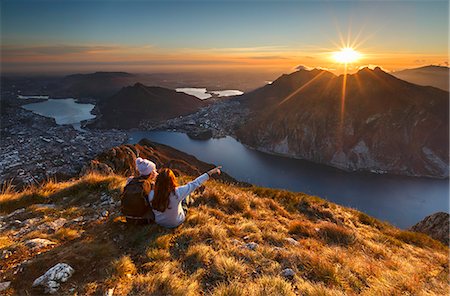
<point x="52" y="279"/>
<point x="436" y="226"/>
<point x="292" y="241"/>
<point x="38" y="243"/>
<point x="16" y="212"/>
<point x="4" y="286"/>
<point x="288" y="273"/>
<point x="95" y="166"/>
<point x="53" y="225"/>
<point x="45" y="206"/>
<point x="252" y="246"/>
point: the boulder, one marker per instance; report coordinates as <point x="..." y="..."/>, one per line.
<point x="252" y="246"/>
<point x="52" y="279"/>
<point x="288" y="273"/>
<point x="291" y="241"/>
<point x="4" y="286"/>
<point x="436" y="226"/>
<point x="38" y="243"/>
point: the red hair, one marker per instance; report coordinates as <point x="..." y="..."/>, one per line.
<point x="164" y="185"/>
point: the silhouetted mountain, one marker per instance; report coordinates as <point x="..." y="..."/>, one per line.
<point x="388" y="125"/>
<point x="96" y="85"/>
<point x="137" y="103"/>
<point x="437" y="76"/>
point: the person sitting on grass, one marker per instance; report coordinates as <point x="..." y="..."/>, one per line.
<point x="167" y="197"/>
<point x="134" y="200"/>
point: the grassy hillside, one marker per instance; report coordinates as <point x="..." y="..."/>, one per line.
<point x="236" y="241"/>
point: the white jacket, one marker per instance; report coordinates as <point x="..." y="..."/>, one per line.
<point x="174" y="215"/>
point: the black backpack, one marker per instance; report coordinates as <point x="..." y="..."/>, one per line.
<point x="134" y="199"/>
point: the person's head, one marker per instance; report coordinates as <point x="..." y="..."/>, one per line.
<point x="146" y="167"/>
<point x="164" y="185"/>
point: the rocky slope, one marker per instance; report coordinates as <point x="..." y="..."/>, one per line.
<point x="68" y="238"/>
<point x="137" y="105"/>
<point x="121" y="160"/>
<point x="386" y="125"/>
<point x="437" y="76"/>
<point x="436" y="226"/>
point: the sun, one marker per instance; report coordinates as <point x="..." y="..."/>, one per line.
<point x="346" y="55"/>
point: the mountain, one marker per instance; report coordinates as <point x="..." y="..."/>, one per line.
<point x="235" y="241"/>
<point x="96" y="85"/>
<point x="437" y="76"/>
<point x="436" y="226"/>
<point x="134" y="104"/>
<point x="387" y="125"/>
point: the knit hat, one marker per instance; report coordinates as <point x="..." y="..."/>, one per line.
<point x="145" y="166"/>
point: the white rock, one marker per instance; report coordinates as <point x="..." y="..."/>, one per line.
<point x="288" y="273"/>
<point x="4" y="286"/>
<point x="38" y="243"/>
<point x="292" y="241"/>
<point x="52" y="279"/>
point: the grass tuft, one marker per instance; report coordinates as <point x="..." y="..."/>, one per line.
<point x="336" y="234"/>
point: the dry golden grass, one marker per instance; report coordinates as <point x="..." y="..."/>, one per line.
<point x="339" y="251"/>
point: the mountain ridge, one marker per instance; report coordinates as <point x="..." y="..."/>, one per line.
<point x="382" y="116"/>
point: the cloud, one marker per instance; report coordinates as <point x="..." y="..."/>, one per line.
<point x="54" y="50"/>
<point x="273" y="57"/>
<point x="303" y="67"/>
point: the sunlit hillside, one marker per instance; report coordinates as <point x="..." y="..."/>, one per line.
<point x="236" y="241"/>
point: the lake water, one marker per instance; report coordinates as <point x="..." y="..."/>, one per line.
<point x="402" y="201"/>
<point x="203" y="93"/>
<point x="64" y="111"/>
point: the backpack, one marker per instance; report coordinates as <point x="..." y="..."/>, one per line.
<point x="134" y="202"/>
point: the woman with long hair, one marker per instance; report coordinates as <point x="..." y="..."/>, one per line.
<point x="167" y="196"/>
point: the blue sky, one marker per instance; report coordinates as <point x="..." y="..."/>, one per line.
<point x="296" y="31"/>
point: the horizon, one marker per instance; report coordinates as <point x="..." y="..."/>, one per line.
<point x="68" y="37"/>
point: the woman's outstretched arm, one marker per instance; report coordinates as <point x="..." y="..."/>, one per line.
<point x="185" y="190"/>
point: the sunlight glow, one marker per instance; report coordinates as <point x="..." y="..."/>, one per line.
<point x="346" y="55"/>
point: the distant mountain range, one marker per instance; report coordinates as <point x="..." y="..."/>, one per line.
<point x="137" y="103"/>
<point x="437" y="76"/>
<point x="94" y="85"/>
<point x="387" y="125"/>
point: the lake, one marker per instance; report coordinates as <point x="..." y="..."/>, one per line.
<point x="402" y="201"/>
<point x="64" y="111"/>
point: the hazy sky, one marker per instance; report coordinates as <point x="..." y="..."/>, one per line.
<point x="155" y="36"/>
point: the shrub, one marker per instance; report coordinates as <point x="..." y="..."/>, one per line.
<point x="418" y="239"/>
<point x="198" y="256"/>
<point x="271" y="286"/>
<point x="318" y="269"/>
<point x="228" y="289"/>
<point x="336" y="235"/>
<point x="124" y="266"/>
<point x="301" y="228"/>
<point x="237" y="204"/>
<point x="227" y="269"/>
